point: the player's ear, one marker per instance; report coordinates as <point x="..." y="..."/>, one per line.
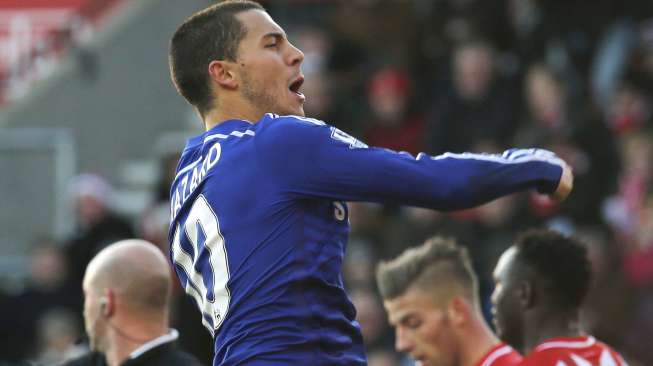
<point x="525" y="294"/>
<point x="458" y="310"/>
<point x="108" y="303"/>
<point x="223" y="73"/>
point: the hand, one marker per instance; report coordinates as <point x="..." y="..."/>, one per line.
<point x="565" y="185"/>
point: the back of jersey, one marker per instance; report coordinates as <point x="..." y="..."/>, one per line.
<point x="263" y="269"/>
<point x="576" y="351"/>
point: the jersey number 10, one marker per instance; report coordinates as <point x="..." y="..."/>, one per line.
<point x="207" y="267"/>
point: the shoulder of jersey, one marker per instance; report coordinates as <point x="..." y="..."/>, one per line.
<point x="551" y="353"/>
<point x="269" y="117"/>
<point x="502" y="355"/>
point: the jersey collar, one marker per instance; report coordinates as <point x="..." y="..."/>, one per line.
<point x="567" y="342"/>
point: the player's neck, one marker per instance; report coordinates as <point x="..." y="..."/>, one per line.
<point x="478" y="341"/>
<point x="547" y="326"/>
<point x="228" y="111"/>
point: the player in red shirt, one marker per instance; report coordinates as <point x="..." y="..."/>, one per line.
<point x="431" y="296"/>
<point x="541" y="282"/>
<point x="573" y="351"/>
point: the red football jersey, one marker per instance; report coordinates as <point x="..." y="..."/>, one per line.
<point x="575" y="351"/>
<point x="500" y="355"/>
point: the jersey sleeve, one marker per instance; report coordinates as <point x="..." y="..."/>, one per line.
<point x="309" y="158"/>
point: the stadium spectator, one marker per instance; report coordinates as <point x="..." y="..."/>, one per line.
<point x="629" y="109"/>
<point x="392" y="124"/>
<point x="431" y="296"/>
<point x="558" y="121"/>
<point x="475" y="106"/>
<point x="126" y="307"/>
<point x="541" y="282"/>
<point x="624" y="209"/>
<point x="98" y="225"/>
<point x="58" y="332"/>
<point x="47" y="291"/>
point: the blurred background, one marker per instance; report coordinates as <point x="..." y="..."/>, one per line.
<point x="91" y="128"/>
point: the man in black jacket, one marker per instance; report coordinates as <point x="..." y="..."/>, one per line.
<point x="126" y="306"/>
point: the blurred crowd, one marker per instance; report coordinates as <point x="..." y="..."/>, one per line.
<point x="433" y="76"/>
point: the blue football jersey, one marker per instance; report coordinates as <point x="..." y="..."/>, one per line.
<point x="259" y="227"/>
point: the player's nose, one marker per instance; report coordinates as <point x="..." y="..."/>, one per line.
<point x="296" y="56"/>
<point x="402" y="343"/>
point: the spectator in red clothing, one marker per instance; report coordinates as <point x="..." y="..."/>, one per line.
<point x="431" y="296"/>
<point x="392" y="125"/>
<point x="541" y="282"/>
<point x="629" y="109"/>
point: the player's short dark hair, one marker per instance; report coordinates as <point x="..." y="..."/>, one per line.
<point x="560" y="262"/>
<point x="211" y="34"/>
<point x="437" y="262"/>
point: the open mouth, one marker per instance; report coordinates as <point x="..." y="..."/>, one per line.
<point x="296" y="85"/>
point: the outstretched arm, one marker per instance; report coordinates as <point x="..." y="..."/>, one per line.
<point x="310" y="159"/>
